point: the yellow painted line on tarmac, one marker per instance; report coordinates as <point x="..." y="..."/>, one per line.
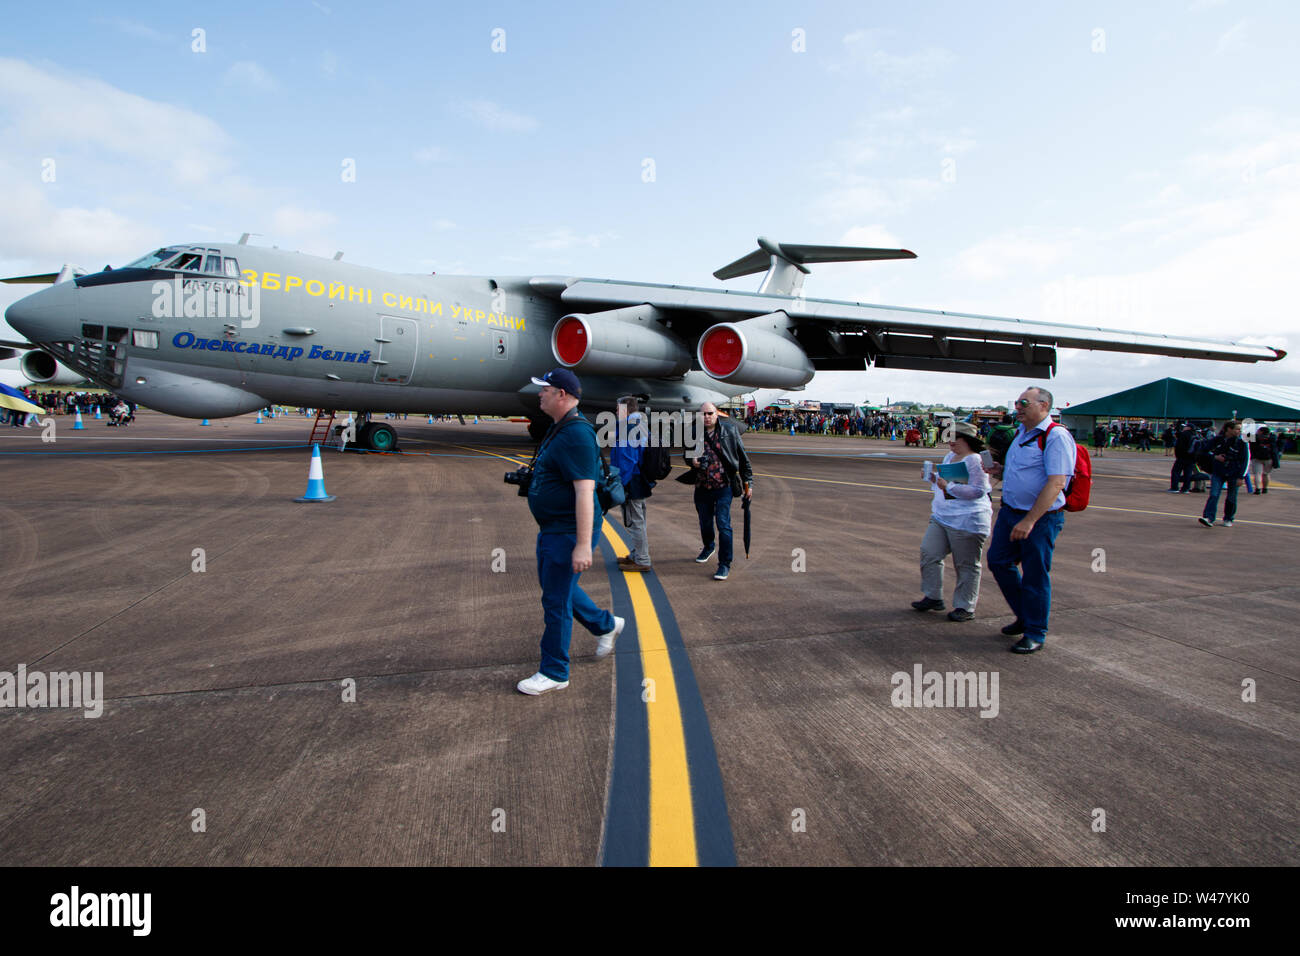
<point x="482" y="452"/>
<point x="856" y="484"/>
<point x="1162" y="480"/>
<point x="672" y="816"/>
<point x="1170" y="514"/>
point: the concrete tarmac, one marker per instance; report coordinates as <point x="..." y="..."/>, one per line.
<point x="230" y="624"/>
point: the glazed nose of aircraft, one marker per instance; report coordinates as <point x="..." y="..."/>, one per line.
<point x="46" y="316"/>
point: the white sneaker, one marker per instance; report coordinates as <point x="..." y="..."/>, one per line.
<point x="539" y="683"/>
<point x="1227" y="524"/>
<point x="605" y="643"/>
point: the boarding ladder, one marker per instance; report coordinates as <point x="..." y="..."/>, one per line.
<point x="320" y="429"/>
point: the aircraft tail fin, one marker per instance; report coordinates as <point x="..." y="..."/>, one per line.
<point x="785" y="262"/>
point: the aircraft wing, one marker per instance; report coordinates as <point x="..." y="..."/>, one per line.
<point x="838" y="335"/>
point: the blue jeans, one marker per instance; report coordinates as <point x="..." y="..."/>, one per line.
<point x="1028" y="588"/>
<point x="1217" y="483"/>
<point x="714" y="504"/>
<point x="562" y="601"/>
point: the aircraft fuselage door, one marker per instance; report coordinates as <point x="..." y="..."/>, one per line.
<point x="395" y="358"/>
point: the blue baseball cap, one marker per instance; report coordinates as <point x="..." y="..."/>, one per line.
<point x="561" y="378"/>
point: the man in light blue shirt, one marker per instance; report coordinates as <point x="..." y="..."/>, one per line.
<point x="1039" y="464"/>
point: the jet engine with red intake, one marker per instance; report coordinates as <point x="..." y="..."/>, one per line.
<point x="756" y="353"/>
<point x="631" y="342"/>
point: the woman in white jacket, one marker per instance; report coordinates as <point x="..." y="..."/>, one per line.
<point x="961" y="516"/>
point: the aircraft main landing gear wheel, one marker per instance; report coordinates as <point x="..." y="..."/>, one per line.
<point x="363" y="436"/>
<point x="381" y="437"/>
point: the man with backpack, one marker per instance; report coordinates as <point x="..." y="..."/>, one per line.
<point x="627" y="456"/>
<point x="1264" y="458"/>
<point x="1039" y="464"/>
<point x="562" y="497"/>
<point x="1184" y="461"/>
<point x="1228" y="459"/>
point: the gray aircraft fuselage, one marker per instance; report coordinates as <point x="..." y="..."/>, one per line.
<point x="243" y="327"/>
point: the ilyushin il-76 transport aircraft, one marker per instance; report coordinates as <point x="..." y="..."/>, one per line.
<point x="214" y="330"/>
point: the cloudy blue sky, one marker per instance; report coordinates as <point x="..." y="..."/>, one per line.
<point x="1088" y="163"/>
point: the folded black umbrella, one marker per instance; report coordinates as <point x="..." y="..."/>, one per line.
<point x="747" y="503"/>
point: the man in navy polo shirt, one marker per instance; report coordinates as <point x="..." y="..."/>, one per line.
<point x="562" y="498"/>
<point x="1031" y="516"/>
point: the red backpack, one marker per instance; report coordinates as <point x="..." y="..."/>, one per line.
<point x="1080" y="486"/>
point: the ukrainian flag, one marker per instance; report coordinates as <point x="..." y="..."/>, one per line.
<point x="13" y="399"/>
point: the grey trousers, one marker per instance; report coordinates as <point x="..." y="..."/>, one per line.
<point x="634" y="521"/>
<point x="966" y="548"/>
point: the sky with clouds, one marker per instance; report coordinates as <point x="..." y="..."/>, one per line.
<point x="1110" y="164"/>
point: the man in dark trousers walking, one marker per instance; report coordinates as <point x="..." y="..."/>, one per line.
<point x="722" y="473"/>
<point x="1184" y="461"/>
<point x="562" y="498"/>
<point x="1032" y="514"/>
<point x="1231" y="458"/>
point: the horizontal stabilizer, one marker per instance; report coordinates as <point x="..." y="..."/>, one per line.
<point x="785" y="263"/>
<point x="761" y="258"/>
<point x="45" y="278"/>
<point x="48" y="278"/>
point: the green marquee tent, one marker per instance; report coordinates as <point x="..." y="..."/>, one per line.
<point x="1184" y="398"/>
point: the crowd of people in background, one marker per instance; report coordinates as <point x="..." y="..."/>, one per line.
<point x="819" y="424"/>
<point x="1129" y="435"/>
<point x="118" y="411"/>
<point x="1140" y="436"/>
<point x="867" y="426"/>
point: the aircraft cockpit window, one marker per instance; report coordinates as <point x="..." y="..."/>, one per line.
<point x="213" y="265"/>
<point x="232" y="268"/>
<point x="116" y="334"/>
<point x="152" y="259"/>
<point x="144" y="338"/>
<point x="95" y="332"/>
<point x="189" y="261"/>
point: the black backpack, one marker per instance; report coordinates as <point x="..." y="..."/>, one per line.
<point x="1201" y="451"/>
<point x="656" y="463"/>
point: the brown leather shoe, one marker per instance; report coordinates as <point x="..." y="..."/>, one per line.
<point x="633" y="566"/>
